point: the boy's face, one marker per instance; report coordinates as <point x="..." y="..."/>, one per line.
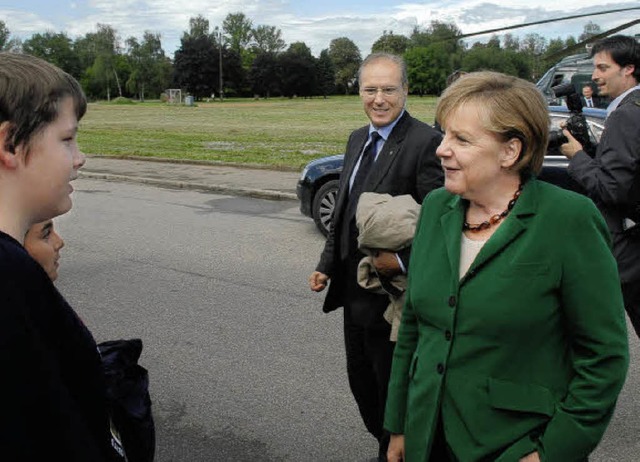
<point x="52" y="163"/>
<point x="44" y="244"/>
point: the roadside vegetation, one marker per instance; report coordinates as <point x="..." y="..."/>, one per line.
<point x="278" y="132"/>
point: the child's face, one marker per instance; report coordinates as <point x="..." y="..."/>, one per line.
<point x="52" y="163"/>
<point x="44" y="244"/>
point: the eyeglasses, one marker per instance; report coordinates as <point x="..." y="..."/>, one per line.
<point x="372" y="92"/>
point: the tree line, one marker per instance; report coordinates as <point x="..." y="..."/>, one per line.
<point x="240" y="59"/>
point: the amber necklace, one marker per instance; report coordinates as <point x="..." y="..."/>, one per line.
<point x="494" y="219"/>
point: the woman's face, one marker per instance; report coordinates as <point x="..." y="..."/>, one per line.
<point x="472" y="157"/>
<point x="44" y="244"/>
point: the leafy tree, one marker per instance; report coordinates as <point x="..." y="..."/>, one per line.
<point x="238" y="29"/>
<point x="196" y="65"/>
<point x="326" y="74"/>
<point x="56" y="49"/>
<point x="239" y="32"/>
<point x="268" y="39"/>
<point x="6" y="42"/>
<point x="440" y="45"/>
<point x="554" y="49"/>
<point x="198" y="27"/>
<point x="98" y="51"/>
<point x="532" y="46"/>
<point x="150" y="68"/>
<point x="346" y="61"/>
<point x="5" y="35"/>
<point x="264" y="74"/>
<point x="234" y="73"/>
<point x="389" y="43"/>
<point x="510" y="42"/>
<point x="570" y="41"/>
<point x="438" y="32"/>
<point x="494" y="42"/>
<point x="197" y="62"/>
<point x="590" y="29"/>
<point x="427" y="68"/>
<point x="298" y="71"/>
<point x="483" y="57"/>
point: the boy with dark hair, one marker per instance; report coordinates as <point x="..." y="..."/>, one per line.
<point x="53" y="386"/>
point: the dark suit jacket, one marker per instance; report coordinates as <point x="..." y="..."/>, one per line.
<point x="528" y="351"/>
<point x="598" y="101"/>
<point x="612" y="180"/>
<point x="407" y="164"/>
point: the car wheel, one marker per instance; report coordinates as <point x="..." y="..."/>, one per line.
<point x="324" y="202"/>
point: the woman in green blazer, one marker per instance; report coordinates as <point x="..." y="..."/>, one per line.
<point x="513" y="342"/>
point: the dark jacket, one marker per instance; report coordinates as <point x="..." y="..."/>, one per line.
<point x="52" y="389"/>
<point x="407" y="164"/>
<point x="612" y="180"/>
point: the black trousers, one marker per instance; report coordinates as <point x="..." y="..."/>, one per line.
<point x="440" y="450"/>
<point x="631" y="295"/>
<point x="369" y="352"/>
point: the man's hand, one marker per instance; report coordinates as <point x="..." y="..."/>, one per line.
<point x="533" y="457"/>
<point x="318" y="281"/>
<point x="571" y="147"/>
<point x="386" y="263"/>
<point x="395" y="453"/>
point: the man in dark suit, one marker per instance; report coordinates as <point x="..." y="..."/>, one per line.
<point x="589" y="99"/>
<point x="587" y="96"/>
<point x="394" y="154"/>
<point x="612" y="177"/>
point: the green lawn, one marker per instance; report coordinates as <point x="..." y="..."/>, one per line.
<point x="276" y="132"/>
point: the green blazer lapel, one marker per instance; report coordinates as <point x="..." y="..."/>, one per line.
<point x="512" y="227"/>
<point x="451" y="224"/>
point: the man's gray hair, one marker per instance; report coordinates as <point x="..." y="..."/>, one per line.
<point x="373" y="57"/>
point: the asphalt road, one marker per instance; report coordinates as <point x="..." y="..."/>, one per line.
<point x="243" y="364"/>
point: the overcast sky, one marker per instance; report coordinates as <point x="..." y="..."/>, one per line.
<point x="315" y="22"/>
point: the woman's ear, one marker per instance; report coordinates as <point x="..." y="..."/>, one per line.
<point x="8" y="157"/>
<point x="511" y="152"/>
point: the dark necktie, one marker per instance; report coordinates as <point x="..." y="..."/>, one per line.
<point x="348" y="222"/>
<point x="589" y="103"/>
<point x="366" y="161"/>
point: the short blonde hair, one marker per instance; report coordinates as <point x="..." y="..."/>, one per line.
<point x="511" y="108"/>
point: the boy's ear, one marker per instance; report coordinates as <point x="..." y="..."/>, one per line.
<point x="8" y="157"/>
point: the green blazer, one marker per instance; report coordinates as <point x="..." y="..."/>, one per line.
<point x="528" y="351"/>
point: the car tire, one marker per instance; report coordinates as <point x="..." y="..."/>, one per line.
<point x="324" y="203"/>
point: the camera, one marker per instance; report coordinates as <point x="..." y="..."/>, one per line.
<point x="576" y="123"/>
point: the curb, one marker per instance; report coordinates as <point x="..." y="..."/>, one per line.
<point x="223" y="188"/>
<point x="212" y="163"/>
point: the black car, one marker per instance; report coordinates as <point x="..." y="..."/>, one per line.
<point x="318" y="184"/>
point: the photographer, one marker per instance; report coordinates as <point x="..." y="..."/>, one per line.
<point x="612" y="177"/>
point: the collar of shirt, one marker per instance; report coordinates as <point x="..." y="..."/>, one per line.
<point x="384" y="133"/>
<point x="614" y="104"/>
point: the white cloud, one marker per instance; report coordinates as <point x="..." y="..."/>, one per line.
<point x="170" y="18"/>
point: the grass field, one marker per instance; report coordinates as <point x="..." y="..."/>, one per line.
<point x="276" y="132"/>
